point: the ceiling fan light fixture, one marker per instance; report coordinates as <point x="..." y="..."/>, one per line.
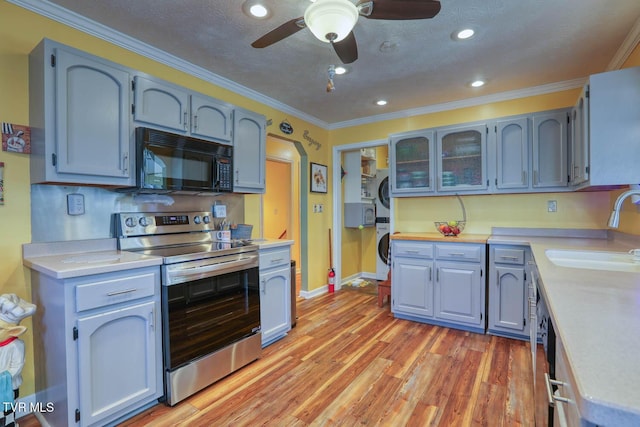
<point x="341" y="70"/>
<point x="331" y="20"/>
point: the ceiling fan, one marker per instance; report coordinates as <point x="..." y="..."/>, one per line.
<point x="332" y="21"/>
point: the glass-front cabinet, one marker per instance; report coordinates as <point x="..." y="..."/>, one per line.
<point x="412" y="157"/>
<point x="462" y="154"/>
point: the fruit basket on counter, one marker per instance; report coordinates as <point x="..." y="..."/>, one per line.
<point x="455" y="227"/>
<point x="450" y="228"/>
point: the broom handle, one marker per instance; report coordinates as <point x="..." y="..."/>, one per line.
<point x="330" y="256"/>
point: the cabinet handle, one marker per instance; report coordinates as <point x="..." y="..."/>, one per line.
<point x="125" y="164"/>
<point x="438" y="274"/>
<point x="512" y="258"/>
<point x="535" y="177"/>
<point x="152" y="316"/>
<point x="430" y="274"/>
<point x="273" y="261"/>
<point x="195" y="122"/>
<point x="524" y="177"/>
<point x="263" y="286"/>
<point x="411" y="251"/>
<point x="186" y="118"/>
<point x="456" y="253"/>
<point x="550" y="397"/>
<point x="126" y="291"/>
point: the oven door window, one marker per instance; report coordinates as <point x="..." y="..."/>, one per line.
<point x="172" y="168"/>
<point x="208" y="314"/>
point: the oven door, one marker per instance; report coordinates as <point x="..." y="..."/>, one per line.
<point x="210" y="311"/>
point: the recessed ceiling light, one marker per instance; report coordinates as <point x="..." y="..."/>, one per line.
<point x="463" y="34"/>
<point x="381" y="102"/>
<point x="477" y="83"/>
<point x="341" y="70"/>
<point x="255" y="9"/>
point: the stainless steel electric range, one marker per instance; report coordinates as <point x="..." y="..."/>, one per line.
<point x="210" y="296"/>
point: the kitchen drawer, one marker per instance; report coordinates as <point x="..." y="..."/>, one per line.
<point x="113" y="290"/>
<point x="412" y="249"/>
<point x="460" y="252"/>
<point x="508" y="256"/>
<point x="274" y="258"/>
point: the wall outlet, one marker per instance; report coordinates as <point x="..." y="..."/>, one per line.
<point x="552" y="206"/>
<point x="75" y="204"/>
<point x="317" y="208"/>
<point x="219" y="211"/>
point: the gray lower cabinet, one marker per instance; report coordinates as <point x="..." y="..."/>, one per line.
<point x="412" y="278"/>
<point x="98" y="357"/>
<point x="439" y="283"/>
<point x="249" y="151"/>
<point x="508" y="291"/>
<point x="79" y="117"/>
<point x="275" y="293"/>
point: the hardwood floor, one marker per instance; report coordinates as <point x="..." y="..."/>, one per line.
<point x="348" y="362"/>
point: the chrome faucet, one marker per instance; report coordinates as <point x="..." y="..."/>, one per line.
<point x="614" y="219"/>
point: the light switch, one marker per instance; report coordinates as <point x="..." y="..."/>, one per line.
<point x="552" y="206"/>
<point x="75" y="204"/>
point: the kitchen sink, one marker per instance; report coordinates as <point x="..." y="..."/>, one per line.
<point x="594" y="260"/>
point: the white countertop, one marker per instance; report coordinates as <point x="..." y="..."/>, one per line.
<point x="596" y="314"/>
<point x="64" y="260"/>
<point x="272" y="243"/>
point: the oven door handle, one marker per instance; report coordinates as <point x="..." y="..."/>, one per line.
<point x="184" y="273"/>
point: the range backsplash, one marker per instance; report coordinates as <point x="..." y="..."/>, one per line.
<point x="50" y="221"/>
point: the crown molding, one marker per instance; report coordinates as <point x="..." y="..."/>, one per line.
<point x="464" y="103"/>
<point x="628" y="45"/>
<point x="88" y="26"/>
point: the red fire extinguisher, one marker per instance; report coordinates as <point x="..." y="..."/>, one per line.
<point x="332" y="280"/>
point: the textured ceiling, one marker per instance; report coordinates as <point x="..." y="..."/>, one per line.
<point x="518" y="45"/>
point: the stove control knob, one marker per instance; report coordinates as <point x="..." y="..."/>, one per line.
<point x="206" y="219"/>
<point x="196" y="219"/>
<point x="144" y="221"/>
<point x="130" y="221"/>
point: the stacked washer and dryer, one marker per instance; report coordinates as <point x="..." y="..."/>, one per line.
<point x="383" y="226"/>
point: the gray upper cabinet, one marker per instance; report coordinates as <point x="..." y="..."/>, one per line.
<point x="211" y="118"/>
<point x="609" y="118"/>
<point x="412" y="163"/>
<point x="550" y="137"/>
<point x="173" y="108"/>
<point x="512" y="154"/>
<point x="462" y="158"/>
<point x="79" y="115"/>
<point x="579" y="170"/>
<point x="249" y="151"/>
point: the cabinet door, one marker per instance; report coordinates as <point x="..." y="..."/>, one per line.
<point x="275" y="304"/>
<point x="412" y="165"/>
<point x="92" y="119"/>
<point x="508" y="299"/>
<point x="116" y="360"/>
<point x="580" y="139"/>
<point x="249" y="151"/>
<point x="161" y="104"/>
<point x="458" y="292"/>
<point x="412" y="290"/>
<point x="550" y="149"/>
<point x="211" y="119"/>
<point x="462" y="154"/>
<point x="512" y="157"/>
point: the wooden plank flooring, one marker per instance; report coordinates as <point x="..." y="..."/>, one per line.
<point x="348" y="362"/>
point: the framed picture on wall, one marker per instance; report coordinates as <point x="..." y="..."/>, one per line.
<point x="318" y="178"/>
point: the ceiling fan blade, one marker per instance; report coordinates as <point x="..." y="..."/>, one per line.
<point x="398" y="9"/>
<point x="347" y="49"/>
<point x="282" y="32"/>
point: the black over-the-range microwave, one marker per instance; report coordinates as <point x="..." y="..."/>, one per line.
<point x="168" y="162"/>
